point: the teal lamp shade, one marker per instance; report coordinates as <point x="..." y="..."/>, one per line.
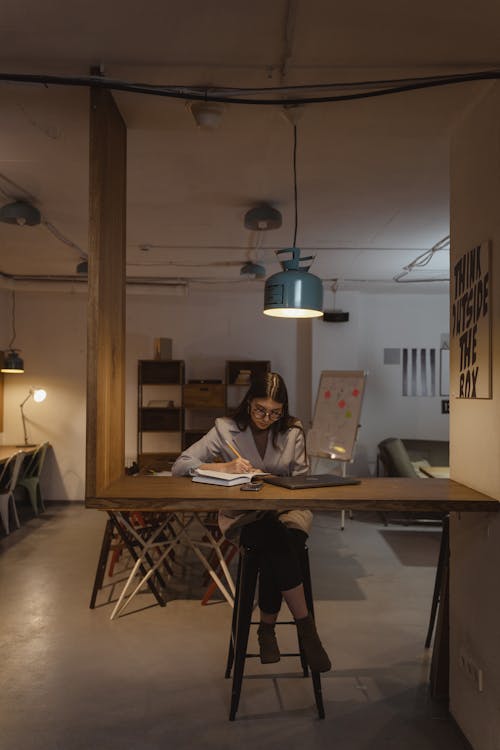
<point x="293" y="292"/>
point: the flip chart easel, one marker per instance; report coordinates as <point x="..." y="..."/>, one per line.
<point x="336" y="414"/>
<point x="336" y="417"/>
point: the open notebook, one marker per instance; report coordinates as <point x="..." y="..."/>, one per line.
<point x="207" y="476"/>
<point x="310" y="481"/>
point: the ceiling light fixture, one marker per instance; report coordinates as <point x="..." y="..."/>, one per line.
<point x="262" y="218"/>
<point x="207" y="115"/>
<point x="20" y="213"/>
<point x="293" y="292"/>
<point x="13" y="364"/>
<point x="253" y="269"/>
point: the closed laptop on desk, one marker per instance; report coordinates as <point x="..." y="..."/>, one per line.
<point x="310" y="481"/>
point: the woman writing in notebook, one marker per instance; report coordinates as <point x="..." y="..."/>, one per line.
<point x="262" y="436"/>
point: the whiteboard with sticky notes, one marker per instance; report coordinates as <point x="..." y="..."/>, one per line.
<point x="337" y="414"/>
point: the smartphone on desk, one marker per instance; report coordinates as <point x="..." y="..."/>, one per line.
<point x="251" y="486"/>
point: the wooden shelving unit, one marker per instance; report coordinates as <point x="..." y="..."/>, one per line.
<point x="160" y="412"/>
<point x="172" y="414"/>
<point x="238" y="376"/>
<point x="203" y="402"/>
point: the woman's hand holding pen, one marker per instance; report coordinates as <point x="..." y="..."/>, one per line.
<point x="236" y="466"/>
<point x="240" y="464"/>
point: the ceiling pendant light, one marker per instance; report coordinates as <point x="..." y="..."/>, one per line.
<point x="12" y="362"/>
<point x="20" y="213"/>
<point x="294" y="292"/>
<point x="253" y="269"/>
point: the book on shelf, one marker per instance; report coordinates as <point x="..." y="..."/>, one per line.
<point x="207" y="476"/>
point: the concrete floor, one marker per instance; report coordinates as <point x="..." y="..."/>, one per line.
<point x="154" y="678"/>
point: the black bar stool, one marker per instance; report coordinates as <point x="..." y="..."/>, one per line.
<point x="246" y="584"/>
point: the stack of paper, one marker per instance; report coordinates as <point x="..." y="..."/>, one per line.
<point x="207" y="476"/>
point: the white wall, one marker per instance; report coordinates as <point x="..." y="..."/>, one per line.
<point x="51" y="332"/>
<point x="208" y="327"/>
<point x="475" y="440"/>
<point x="378" y="321"/>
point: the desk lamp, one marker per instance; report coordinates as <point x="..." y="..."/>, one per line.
<point x="39" y="395"/>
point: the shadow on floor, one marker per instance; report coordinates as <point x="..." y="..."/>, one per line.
<point x="414" y="548"/>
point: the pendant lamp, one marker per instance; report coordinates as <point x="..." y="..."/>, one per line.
<point x="12" y="362"/>
<point x="294" y="292"/>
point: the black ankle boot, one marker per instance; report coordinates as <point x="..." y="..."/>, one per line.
<point x="316" y="656"/>
<point x="268" y="645"/>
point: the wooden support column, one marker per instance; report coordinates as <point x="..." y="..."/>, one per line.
<point x="303" y="385"/>
<point x="106" y="302"/>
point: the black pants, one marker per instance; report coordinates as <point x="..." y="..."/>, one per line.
<point x="280" y="551"/>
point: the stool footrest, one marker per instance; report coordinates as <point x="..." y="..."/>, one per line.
<point x="248" y="570"/>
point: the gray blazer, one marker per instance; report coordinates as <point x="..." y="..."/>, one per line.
<point x="288" y="458"/>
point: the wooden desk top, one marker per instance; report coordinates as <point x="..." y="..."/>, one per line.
<point x="154" y="493"/>
<point x="6" y="451"/>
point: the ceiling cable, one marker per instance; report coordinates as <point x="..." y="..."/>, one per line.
<point x="294" y="244"/>
<point x="210" y="94"/>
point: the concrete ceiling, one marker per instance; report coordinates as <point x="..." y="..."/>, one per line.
<point x="372" y="173"/>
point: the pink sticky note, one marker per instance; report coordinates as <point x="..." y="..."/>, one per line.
<point x="341" y="404"/>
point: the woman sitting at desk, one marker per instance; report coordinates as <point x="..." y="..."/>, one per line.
<point x="262" y="435"/>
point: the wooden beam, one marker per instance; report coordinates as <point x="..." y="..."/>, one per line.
<point x="106" y="301"/>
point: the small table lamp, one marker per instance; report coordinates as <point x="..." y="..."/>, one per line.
<point x="38" y="395"/>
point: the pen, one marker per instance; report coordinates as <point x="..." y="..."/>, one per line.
<point x="231" y="447"/>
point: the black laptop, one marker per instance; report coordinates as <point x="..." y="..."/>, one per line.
<point x="310" y="481"/>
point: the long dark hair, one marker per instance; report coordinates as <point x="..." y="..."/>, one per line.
<point x="266" y="385"/>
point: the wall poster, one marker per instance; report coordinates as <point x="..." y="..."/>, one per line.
<point x="471" y="323"/>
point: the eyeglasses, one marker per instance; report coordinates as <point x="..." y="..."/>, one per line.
<point x="262" y="413"/>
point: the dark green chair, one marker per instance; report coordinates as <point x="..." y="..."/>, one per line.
<point x="30" y="477"/>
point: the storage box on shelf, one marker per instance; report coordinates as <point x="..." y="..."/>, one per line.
<point x="160" y="422"/>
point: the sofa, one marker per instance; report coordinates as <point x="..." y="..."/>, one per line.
<point x="404" y="457"/>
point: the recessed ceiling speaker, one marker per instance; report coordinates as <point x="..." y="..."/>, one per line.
<point x="335" y="316"/>
<point x="263" y="218"/>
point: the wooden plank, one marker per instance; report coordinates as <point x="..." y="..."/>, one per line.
<point x="6" y="451"/>
<point x="157" y="493"/>
<point x="106" y="302"/>
<point x="1" y="393"/>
